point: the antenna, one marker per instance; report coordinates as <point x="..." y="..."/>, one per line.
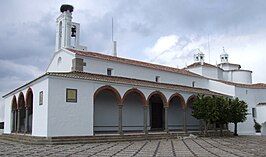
<point x="114" y="42"/>
<point x="209" y="49"/>
<point x="112" y="29"/>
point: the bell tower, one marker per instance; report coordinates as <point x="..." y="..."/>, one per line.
<point x="224" y="57"/>
<point x="199" y="57"/>
<point x="67" y="32"/>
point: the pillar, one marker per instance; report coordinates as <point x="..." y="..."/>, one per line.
<point x="15" y="121"/>
<point x="18" y="122"/>
<point x="145" y="119"/>
<point x="166" y="119"/>
<point x="27" y="121"/>
<point x="120" y="127"/>
<point x="185" y="120"/>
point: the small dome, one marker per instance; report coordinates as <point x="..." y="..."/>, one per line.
<point x="66" y="7"/>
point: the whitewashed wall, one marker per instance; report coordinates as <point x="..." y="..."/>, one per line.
<point x="69" y="118"/>
<point x="221" y="88"/>
<point x="241" y="76"/>
<point x="39" y="119"/>
<point x="99" y="66"/>
<point x="248" y="95"/>
<point x="61" y="66"/>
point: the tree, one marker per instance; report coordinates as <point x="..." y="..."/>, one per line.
<point x="222" y="111"/>
<point x="202" y="109"/>
<point x="238" y="112"/>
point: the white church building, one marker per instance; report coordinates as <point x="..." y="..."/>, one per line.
<point x="83" y="93"/>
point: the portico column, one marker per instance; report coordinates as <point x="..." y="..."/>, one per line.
<point x="166" y="119"/>
<point x="15" y="121"/>
<point x="185" y="120"/>
<point x="27" y="120"/>
<point x="145" y="108"/>
<point x="120" y="110"/>
<point x="18" y="122"/>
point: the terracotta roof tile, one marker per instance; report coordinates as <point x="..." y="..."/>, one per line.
<point x="133" y="62"/>
<point x="262" y="104"/>
<point x="257" y="85"/>
<point x="135" y="82"/>
<point x="199" y="64"/>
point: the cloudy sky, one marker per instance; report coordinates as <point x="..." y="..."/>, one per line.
<point x="161" y="31"/>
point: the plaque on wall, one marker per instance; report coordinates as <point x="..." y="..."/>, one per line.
<point x="71" y="95"/>
<point x="41" y="98"/>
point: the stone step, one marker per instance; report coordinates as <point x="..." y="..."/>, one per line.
<point x="27" y="139"/>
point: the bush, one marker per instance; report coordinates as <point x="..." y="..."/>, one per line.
<point x="257" y="126"/>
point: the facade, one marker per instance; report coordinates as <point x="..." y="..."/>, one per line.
<point x="83" y="93"/>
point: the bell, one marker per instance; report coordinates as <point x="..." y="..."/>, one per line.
<point x="73" y="32"/>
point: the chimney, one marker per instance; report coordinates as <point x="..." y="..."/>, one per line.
<point x="114" y="49"/>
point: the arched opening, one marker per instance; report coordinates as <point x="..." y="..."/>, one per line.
<point x="29" y="110"/>
<point x="60" y="35"/>
<point x="157" y="101"/>
<point x="21" y="113"/>
<point x="14" y="114"/>
<point x="133" y="114"/>
<point x="176" y="112"/>
<point x="106" y="101"/>
<point x="192" y="122"/>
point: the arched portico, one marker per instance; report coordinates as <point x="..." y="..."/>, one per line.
<point x="14" y="113"/>
<point x="29" y="111"/>
<point x="21" y="113"/>
<point x="176" y="112"/>
<point x="107" y="102"/>
<point x="134" y="103"/>
<point x="192" y="122"/>
<point x="158" y="108"/>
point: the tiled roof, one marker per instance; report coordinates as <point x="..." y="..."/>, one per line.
<point x="199" y="64"/>
<point x="262" y="104"/>
<point x="133" y="62"/>
<point x="130" y="81"/>
<point x="257" y="85"/>
<point x="230" y="64"/>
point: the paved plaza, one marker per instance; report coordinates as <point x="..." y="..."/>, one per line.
<point x="201" y="146"/>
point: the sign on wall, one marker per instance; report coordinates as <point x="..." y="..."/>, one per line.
<point x="71" y="95"/>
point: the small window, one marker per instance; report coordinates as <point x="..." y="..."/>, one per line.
<point x="109" y="71"/>
<point x="246" y="91"/>
<point x="197" y="58"/>
<point x="201" y="57"/>
<point x="71" y="95"/>
<point x="225" y="57"/>
<point x="59" y="61"/>
<point x="253" y="112"/>
<point x="157" y="78"/>
<point x="222" y="57"/>
<point x="193" y="84"/>
<point x="41" y="98"/>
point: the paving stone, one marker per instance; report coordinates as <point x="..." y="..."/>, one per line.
<point x="227" y="147"/>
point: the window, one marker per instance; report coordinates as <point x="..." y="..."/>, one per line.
<point x="197" y="58"/>
<point x="246" y="91"/>
<point x="41" y="98"/>
<point x="225" y="57"/>
<point x="222" y="57"/>
<point x="109" y="71"/>
<point x="193" y="84"/>
<point x="71" y="95"/>
<point x="201" y="57"/>
<point x="157" y="78"/>
<point x="253" y="112"/>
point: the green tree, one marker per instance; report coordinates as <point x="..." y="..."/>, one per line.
<point x="222" y="111"/>
<point x="202" y="109"/>
<point x="238" y="112"/>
